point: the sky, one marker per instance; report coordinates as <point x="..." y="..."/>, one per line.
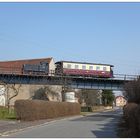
<point x="87" y="32"/>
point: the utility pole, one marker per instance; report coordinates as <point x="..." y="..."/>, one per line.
<point x="65" y="86"/>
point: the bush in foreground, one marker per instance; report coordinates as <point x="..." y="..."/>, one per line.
<point x="130" y="111"/>
<point x="30" y="110"/>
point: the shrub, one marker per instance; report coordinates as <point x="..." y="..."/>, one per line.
<point x="137" y="114"/>
<point x="130" y="110"/>
<point x="39" y="109"/>
<point x="132" y="91"/>
<point x="86" y="109"/>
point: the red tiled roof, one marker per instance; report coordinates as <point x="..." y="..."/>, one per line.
<point x="19" y="63"/>
<point x="120" y="96"/>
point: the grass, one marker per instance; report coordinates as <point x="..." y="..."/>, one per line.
<point x="5" y="114"/>
<point x="85" y="113"/>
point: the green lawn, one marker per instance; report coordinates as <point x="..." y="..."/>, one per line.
<point x="85" y="113"/>
<point x="4" y="114"/>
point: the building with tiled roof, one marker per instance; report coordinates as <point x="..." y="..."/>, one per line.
<point x="15" y="66"/>
<point x="120" y="101"/>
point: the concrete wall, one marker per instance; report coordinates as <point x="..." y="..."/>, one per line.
<point x="28" y="91"/>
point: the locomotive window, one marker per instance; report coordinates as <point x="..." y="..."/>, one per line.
<point x="97" y="68"/>
<point x="69" y="66"/>
<point x="76" y="67"/>
<point x="83" y="67"/>
<point x="91" y="67"/>
<point x="104" y="68"/>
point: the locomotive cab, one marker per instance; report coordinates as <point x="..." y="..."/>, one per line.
<point x="111" y="71"/>
<point x="36" y="69"/>
<point x="58" y="68"/>
<point x="44" y="67"/>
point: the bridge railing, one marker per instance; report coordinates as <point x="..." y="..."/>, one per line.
<point x="18" y="71"/>
<point x="125" y="77"/>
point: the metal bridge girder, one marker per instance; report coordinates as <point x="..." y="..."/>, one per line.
<point x="74" y="82"/>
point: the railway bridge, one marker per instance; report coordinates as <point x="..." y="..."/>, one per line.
<point x="75" y="82"/>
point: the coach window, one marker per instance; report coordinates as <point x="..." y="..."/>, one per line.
<point x="69" y="66"/>
<point x="90" y="67"/>
<point x="104" y="68"/>
<point x="83" y="67"/>
<point x="76" y="67"/>
<point x="97" y="68"/>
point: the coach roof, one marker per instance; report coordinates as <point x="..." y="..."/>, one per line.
<point x="85" y="63"/>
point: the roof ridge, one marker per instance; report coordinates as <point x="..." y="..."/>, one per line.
<point x="27" y="59"/>
<point x="85" y="63"/>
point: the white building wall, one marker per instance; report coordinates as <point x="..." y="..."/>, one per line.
<point x="2" y="95"/>
<point x="52" y="66"/>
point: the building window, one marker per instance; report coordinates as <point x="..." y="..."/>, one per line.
<point x="90" y="67"/>
<point x="83" y="67"/>
<point x="69" y="66"/>
<point x="104" y="68"/>
<point x="76" y="67"/>
<point x="97" y="68"/>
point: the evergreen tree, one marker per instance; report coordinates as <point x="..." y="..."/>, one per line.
<point x="107" y="97"/>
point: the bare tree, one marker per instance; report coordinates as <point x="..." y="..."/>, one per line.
<point x="88" y="97"/>
<point x="16" y="92"/>
<point x="9" y="96"/>
<point x="78" y="94"/>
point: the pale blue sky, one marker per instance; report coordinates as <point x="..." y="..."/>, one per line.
<point x="89" y="32"/>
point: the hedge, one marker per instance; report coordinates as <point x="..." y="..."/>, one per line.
<point x="86" y="109"/>
<point x="131" y="113"/>
<point x="30" y="110"/>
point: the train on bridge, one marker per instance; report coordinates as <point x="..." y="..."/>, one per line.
<point x="84" y="69"/>
<point x="43" y="67"/>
